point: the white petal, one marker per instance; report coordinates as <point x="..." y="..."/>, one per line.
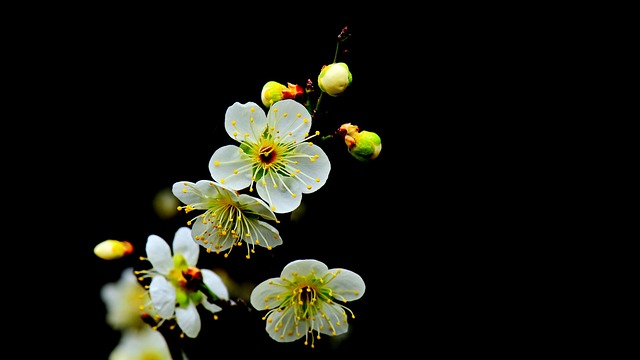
<point x="348" y="284"/>
<point x="253" y="205"/>
<point x="159" y="254"/>
<point x="215" y="283"/>
<point x="265" y="232"/>
<point x="304" y="268"/>
<point x="266" y="290"/>
<point x="163" y="296"/>
<point x="242" y="115"/>
<point x="314" y="173"/>
<point x="214" y="190"/>
<point x="224" y="162"/>
<point x="212" y="308"/>
<point x="333" y="312"/>
<point x="292" y="126"/>
<point x="189" y="320"/>
<point x="188" y="197"/>
<point x="290" y="332"/>
<point x="280" y="199"/>
<point x="184" y="244"/>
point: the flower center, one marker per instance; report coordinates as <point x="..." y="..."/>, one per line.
<point x="267" y="155"/>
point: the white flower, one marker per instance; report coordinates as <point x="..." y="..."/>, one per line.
<point x="274" y="153"/>
<point x="144" y="344"/>
<point x="125" y="301"/>
<point x="229" y="218"/>
<point x="172" y="294"/>
<point x="305" y="298"/>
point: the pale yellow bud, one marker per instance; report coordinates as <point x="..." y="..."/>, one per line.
<point x="334" y="78"/>
<point x="113" y="249"/>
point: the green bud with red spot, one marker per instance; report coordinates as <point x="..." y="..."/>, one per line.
<point x="273" y="92"/>
<point x="363" y="145"/>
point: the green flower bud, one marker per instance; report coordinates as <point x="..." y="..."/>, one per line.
<point x="273" y="92"/>
<point x="334" y="78"/>
<point x="363" y="145"/>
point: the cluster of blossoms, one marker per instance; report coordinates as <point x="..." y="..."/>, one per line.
<point x="274" y="161"/>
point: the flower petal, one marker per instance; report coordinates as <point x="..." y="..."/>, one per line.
<point x="264" y="295"/>
<point x="281" y="326"/>
<point x="245" y="121"/>
<point x="304" y="267"/>
<point x="187" y="197"/>
<point x="159" y="254"/>
<point x="250" y="204"/>
<point x="214" y="190"/>
<point x="228" y="167"/>
<point x="291" y="118"/>
<point x="189" y="320"/>
<point x="314" y="173"/>
<point x="215" y="283"/>
<point x="281" y="200"/>
<point x="184" y="244"/>
<point x="163" y="296"/>
<point x="264" y="232"/>
<point x="333" y="315"/>
<point x="347" y="284"/>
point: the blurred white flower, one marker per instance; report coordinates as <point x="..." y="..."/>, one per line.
<point x="125" y="301"/>
<point x="144" y="344"/>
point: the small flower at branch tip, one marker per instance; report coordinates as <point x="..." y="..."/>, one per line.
<point x="307" y="297"/>
<point x="273" y="92"/>
<point x="334" y="78"/>
<point x="175" y="282"/>
<point x="113" y="249"/>
<point x="363" y="145"/>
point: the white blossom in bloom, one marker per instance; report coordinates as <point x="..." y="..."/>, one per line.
<point x="307" y="297"/>
<point x="144" y="344"/>
<point x="229" y="218"/>
<point x="125" y="301"/>
<point x="275" y="154"/>
<point x="170" y="291"/>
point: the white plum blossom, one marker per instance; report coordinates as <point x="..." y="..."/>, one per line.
<point x="305" y="298"/>
<point x="143" y="344"/>
<point x="229" y="218"/>
<point x="125" y="301"/>
<point x="171" y="291"/>
<point x="274" y="153"/>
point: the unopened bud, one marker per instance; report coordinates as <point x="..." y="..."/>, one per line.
<point x="363" y="145"/>
<point x="334" y="78"/>
<point x="113" y="249"/>
<point x="273" y="92"/>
